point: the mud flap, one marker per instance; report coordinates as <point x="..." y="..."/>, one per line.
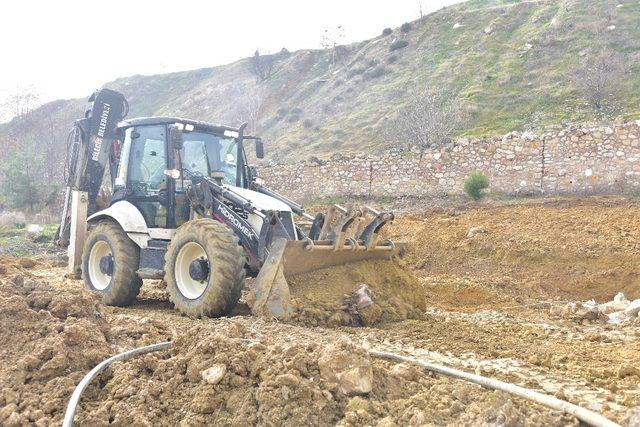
<point x="270" y="289"/>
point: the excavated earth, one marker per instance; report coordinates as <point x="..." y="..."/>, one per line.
<point x="483" y="288"/>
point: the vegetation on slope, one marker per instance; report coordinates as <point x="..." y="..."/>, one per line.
<point x="512" y="64"/>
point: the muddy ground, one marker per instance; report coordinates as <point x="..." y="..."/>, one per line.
<point x="496" y="281"/>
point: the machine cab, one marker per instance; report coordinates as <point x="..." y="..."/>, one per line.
<point x="153" y="174"/>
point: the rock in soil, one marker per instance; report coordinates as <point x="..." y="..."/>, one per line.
<point x="351" y="370"/>
<point x="214" y="374"/>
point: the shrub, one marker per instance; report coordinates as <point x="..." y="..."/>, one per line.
<point x="356" y="70"/>
<point x="387" y="31"/>
<point x="405" y="28"/>
<point x="374" y="73"/>
<point x="22" y="185"/>
<point x="392" y="59"/>
<point x="398" y="44"/>
<point x="475" y="184"/>
<point x="281" y="113"/>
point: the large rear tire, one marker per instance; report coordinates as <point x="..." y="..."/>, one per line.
<point x="109" y="264"/>
<point x="204" y="268"/>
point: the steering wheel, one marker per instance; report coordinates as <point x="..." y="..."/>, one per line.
<point x="139" y="188"/>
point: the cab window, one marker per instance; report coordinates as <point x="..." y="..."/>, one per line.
<point x="147" y="161"/>
<point x="204" y="153"/>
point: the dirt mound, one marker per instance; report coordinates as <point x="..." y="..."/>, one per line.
<point x="51" y="338"/>
<point x="249" y="384"/>
<point x="575" y="249"/>
<point x="336" y="296"/>
<point x="49" y="341"/>
<point x="227" y="377"/>
<point x="12" y="265"/>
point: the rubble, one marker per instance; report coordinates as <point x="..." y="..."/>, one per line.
<point x="476" y="230"/>
<point x="214" y="374"/>
<point x="351" y="370"/>
<point x="617" y="311"/>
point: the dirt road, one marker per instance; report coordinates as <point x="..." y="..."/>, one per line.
<point x="497" y="281"/>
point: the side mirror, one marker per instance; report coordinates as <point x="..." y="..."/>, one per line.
<point x="175" y="137"/>
<point x="259" y="149"/>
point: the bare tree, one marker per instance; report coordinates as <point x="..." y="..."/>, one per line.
<point x="431" y="118"/>
<point x="245" y="102"/>
<point x="262" y="65"/>
<point x="20" y="103"/>
<point x="250" y="109"/>
<point x="331" y="39"/>
<point x="598" y="80"/>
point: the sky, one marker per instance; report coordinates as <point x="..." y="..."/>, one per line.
<point x="68" y="48"/>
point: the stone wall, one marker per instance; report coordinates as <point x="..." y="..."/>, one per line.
<point x="575" y="160"/>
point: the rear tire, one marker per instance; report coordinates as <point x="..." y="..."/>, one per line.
<point x="122" y="285"/>
<point x="208" y="250"/>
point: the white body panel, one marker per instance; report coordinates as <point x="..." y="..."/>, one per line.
<point x="129" y="218"/>
<point x="133" y="223"/>
<point x="125" y="214"/>
<point x="261" y="202"/>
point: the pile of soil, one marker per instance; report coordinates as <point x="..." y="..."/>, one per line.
<point x="327" y="297"/>
<point x="50" y="339"/>
<point x="12" y="265"/>
<point x="569" y="249"/>
<point x="275" y="381"/>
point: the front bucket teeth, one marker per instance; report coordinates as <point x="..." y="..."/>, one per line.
<point x="337" y="243"/>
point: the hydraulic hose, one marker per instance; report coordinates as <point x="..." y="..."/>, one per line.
<point x="579" y="412"/>
<point x="77" y="393"/>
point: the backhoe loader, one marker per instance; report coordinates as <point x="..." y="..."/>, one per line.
<point x="184" y="205"/>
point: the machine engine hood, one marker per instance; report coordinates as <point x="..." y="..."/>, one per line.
<point x="261" y="201"/>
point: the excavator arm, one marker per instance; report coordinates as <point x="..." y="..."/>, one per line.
<point x="91" y="143"/>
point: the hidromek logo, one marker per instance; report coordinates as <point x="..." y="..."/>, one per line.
<point x="236" y="223"/>
<point x="97" y="145"/>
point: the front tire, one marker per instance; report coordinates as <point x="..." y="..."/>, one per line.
<point x="204" y="269"/>
<point x="109" y="264"/>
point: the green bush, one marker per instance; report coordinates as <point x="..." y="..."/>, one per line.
<point x="21" y="183"/>
<point x="387" y="31"/>
<point x="398" y="44"/>
<point x="405" y="28"/>
<point x="475" y="184"/>
<point x="374" y="73"/>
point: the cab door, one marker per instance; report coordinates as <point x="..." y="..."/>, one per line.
<point x="146" y="180"/>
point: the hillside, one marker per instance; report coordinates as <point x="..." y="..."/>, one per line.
<point x="511" y="62"/>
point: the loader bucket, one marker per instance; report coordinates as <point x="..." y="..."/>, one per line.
<point x="271" y="293"/>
